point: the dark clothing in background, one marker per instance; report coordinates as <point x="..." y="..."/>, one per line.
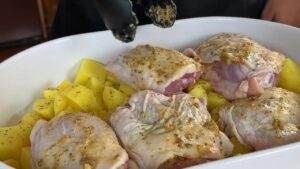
<point x="81" y="16"/>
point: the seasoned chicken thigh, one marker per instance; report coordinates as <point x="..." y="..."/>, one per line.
<point x="169" y="132"/>
<point x="266" y="121"/>
<point x="237" y="66"/>
<point x="76" y="141"/>
<point x="162" y="70"/>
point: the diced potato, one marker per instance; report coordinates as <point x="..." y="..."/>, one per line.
<point x="103" y="114"/>
<point x="65" y="112"/>
<point x="11" y="150"/>
<point x="289" y="77"/>
<point x="112" y="98"/>
<point x="109" y="83"/>
<point x="83" y="97"/>
<point x="64" y="85"/>
<point x="90" y="68"/>
<point x="13" y="163"/>
<point x="205" y="84"/>
<point x="128" y="90"/>
<point x="215" y="100"/>
<point x="97" y="105"/>
<point x="70" y="109"/>
<point x="12" y="139"/>
<point x="112" y="81"/>
<point x="24" y="131"/>
<point x="50" y="94"/>
<point x="99" y="101"/>
<point x="112" y="78"/>
<point x="59" y="104"/>
<point x="25" y="158"/>
<point x="215" y="114"/>
<point x="112" y="84"/>
<point x="239" y="148"/>
<point x="198" y="92"/>
<point x="44" y="108"/>
<point x="30" y="118"/>
<point x="96" y="85"/>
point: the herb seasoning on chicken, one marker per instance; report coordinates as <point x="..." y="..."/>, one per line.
<point x="162" y="70"/>
<point x="76" y="141"/>
<point x="266" y="121"/>
<point x="166" y="132"/>
<point x="237" y="66"/>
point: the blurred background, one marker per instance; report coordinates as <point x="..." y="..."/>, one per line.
<point x="24" y="23"/>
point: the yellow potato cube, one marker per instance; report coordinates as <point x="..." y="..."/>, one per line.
<point x="215" y="100"/>
<point x="96" y="85"/>
<point x="111" y="84"/>
<point x="50" y="94"/>
<point x="104" y="115"/>
<point x="83" y="98"/>
<point x="25" y="158"/>
<point x="239" y="148"/>
<point x="13" y="163"/>
<point x="215" y="114"/>
<point x="70" y="109"/>
<point x="205" y="84"/>
<point x="90" y="68"/>
<point x="128" y="90"/>
<point x="97" y="104"/>
<point x="8" y="151"/>
<point x="44" y="108"/>
<point x="31" y="118"/>
<point x="112" y="81"/>
<point x="198" y="92"/>
<point x="112" y="98"/>
<point x="59" y="104"/>
<point x="112" y="78"/>
<point x="289" y="77"/>
<point x="12" y="139"/>
<point x="64" y="85"/>
<point x="65" y="112"/>
<point x="24" y="131"/>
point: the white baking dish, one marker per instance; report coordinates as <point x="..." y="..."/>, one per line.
<point x="23" y="76"/>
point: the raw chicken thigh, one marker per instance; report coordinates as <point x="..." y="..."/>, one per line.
<point x="237" y="66"/>
<point x="162" y="70"/>
<point x="266" y="121"/>
<point x="76" y="141"/>
<point x="169" y="132"/>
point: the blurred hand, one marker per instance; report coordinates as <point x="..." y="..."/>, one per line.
<point x="283" y="11"/>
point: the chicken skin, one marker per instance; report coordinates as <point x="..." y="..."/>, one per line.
<point x="169" y="132"/>
<point x="162" y="70"/>
<point x="266" y="121"/>
<point x="237" y="66"/>
<point x="76" y="141"/>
